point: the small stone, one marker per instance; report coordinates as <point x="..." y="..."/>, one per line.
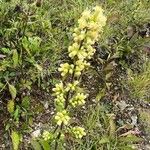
<point x="46" y="105"/>
<point x="134" y="120"/>
<point x="122" y="105"/>
<point x="36" y="133"/>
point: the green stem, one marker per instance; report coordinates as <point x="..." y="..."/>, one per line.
<point x="66" y="102"/>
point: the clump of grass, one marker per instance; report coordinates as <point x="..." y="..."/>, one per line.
<point x="103" y="133"/>
<point x="145" y="119"/>
<point x="140" y="83"/>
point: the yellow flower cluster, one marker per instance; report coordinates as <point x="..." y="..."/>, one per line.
<point x="66" y="68"/>
<point x="78" y="132"/>
<point x="47" y="135"/>
<point x="62" y="117"/>
<point x="60" y="100"/>
<point x="59" y="89"/>
<point x="85" y="35"/>
<point x="90" y="24"/>
<point x="78" y="100"/>
<point x="80" y="66"/>
<point x="72" y="86"/>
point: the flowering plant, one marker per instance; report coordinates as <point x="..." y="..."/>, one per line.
<point x="85" y="35"/>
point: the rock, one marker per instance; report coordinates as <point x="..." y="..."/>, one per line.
<point x="36" y="133"/>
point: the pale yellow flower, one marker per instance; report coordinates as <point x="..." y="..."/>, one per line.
<point x="59" y="89"/>
<point x="47" y="135"/>
<point x="62" y="117"/>
<point x="78" y="132"/>
<point x="60" y="100"/>
<point x="72" y="86"/>
<point x="66" y="68"/>
<point x="78" y="99"/>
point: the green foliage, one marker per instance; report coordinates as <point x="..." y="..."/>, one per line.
<point x="40" y="145"/>
<point x="10" y="106"/>
<point x="15" y="58"/>
<point x="103" y="133"/>
<point x="12" y="91"/>
<point x="16" y="137"/>
<point x="26" y="42"/>
<point x="140" y="83"/>
<point x="145" y="118"/>
<point x="90" y="25"/>
<point x="36" y="145"/>
<point x="34" y="39"/>
<point x="26" y="102"/>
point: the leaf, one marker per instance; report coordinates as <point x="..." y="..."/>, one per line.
<point x="25" y="102"/>
<point x="108" y="75"/>
<point x="16" y="113"/>
<point x="10" y="106"/>
<point x="12" y="91"/>
<point x="1" y="85"/>
<point x="104" y="140"/>
<point x="30" y="121"/>
<point x="26" y="44"/>
<point x="5" y="50"/>
<point x="34" y="44"/>
<point x="109" y="67"/>
<point x="130" y="138"/>
<point x="124" y="147"/>
<point x="35" y="145"/>
<point x="100" y="95"/>
<point x="15" y="58"/>
<point x="45" y="145"/>
<point x="15" y="140"/>
<point x="7" y="126"/>
<point x="112" y="125"/>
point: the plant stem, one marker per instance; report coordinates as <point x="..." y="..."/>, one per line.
<point x="66" y="103"/>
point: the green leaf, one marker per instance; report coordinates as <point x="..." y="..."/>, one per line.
<point x="15" y="58"/>
<point x="5" y="50"/>
<point x="10" y="106"/>
<point x="12" y="91"/>
<point x="26" y="44"/>
<point x="26" y="102"/>
<point x="104" y="140"/>
<point x="16" y="113"/>
<point x="45" y="145"/>
<point x="7" y="126"/>
<point x="30" y="121"/>
<point x="15" y="140"/>
<point x="100" y="95"/>
<point x="129" y="147"/>
<point x="1" y="85"/>
<point x="36" y="145"/>
<point x="130" y="138"/>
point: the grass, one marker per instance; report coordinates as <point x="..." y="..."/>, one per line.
<point x="140" y="83"/>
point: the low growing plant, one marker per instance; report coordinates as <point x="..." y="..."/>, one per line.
<point x="140" y="83"/>
<point x="68" y="94"/>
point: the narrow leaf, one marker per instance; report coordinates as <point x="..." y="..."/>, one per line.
<point x="35" y="145"/>
<point x="15" y="140"/>
<point x="10" y="106"/>
<point x="12" y="91"/>
<point x="104" y="140"/>
<point x="45" y="145"/>
<point x="15" y="58"/>
<point x="26" y="102"/>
